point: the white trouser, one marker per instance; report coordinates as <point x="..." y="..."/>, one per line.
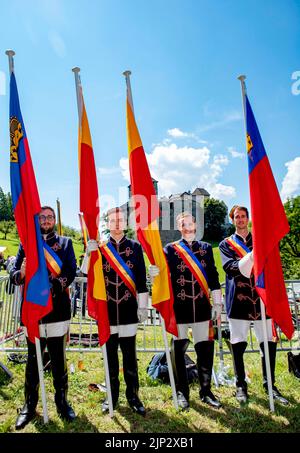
<point x="239" y="329"/>
<point x="124" y="330"/>
<point x="53" y="329"/>
<point x="200" y="330"/>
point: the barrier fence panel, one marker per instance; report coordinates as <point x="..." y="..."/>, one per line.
<point x="83" y="330"/>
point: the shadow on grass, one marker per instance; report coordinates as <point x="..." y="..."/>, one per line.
<point x="81" y="424"/>
<point x="249" y="418"/>
<point x="155" y="421"/>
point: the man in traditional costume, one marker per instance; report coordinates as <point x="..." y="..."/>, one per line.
<point x="54" y="327"/>
<point x="194" y="277"/>
<point x="243" y="303"/>
<point x="127" y="300"/>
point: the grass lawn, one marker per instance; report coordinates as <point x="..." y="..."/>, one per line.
<point x="161" y="415"/>
<point x="12" y="245"/>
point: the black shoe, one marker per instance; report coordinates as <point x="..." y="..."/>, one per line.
<point x="209" y="398"/>
<point x="105" y="406"/>
<point x="293" y="362"/>
<point x="278" y="397"/>
<point x="25" y="416"/>
<point x="137" y="406"/>
<point x="241" y="395"/>
<point x="182" y="401"/>
<point x="66" y="412"/>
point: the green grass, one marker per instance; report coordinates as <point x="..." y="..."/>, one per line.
<point x="218" y="264"/>
<point x="161" y="415"/>
<point x="12" y="245"/>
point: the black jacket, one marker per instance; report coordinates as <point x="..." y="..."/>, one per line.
<point x="63" y="247"/>
<point x="190" y="303"/>
<point x="122" y="305"/>
<point x="242" y="300"/>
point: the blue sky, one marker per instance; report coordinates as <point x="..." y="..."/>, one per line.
<point x="185" y="57"/>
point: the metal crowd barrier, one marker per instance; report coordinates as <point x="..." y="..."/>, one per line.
<point x="83" y="329"/>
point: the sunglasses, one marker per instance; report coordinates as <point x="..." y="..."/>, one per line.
<point x="43" y="218"/>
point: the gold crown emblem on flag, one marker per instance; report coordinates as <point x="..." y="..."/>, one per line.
<point x="16" y="134"/>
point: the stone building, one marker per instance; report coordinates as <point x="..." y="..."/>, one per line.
<point x="170" y="207"/>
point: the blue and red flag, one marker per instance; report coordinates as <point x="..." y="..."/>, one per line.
<point x="37" y="299"/>
<point x="269" y="226"/>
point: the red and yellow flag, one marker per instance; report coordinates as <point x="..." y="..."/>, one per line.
<point x="89" y="206"/>
<point x="146" y="214"/>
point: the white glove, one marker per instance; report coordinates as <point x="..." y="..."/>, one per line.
<point x="92" y="246"/>
<point x="142" y="312"/>
<point x="85" y="264"/>
<point x="153" y="271"/>
<point x="216" y="309"/>
<point x="246" y="264"/>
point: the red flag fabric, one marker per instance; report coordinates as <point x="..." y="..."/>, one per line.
<point x="269" y="226"/>
<point x="89" y="206"/>
<point x="37" y="299"/>
<point x="146" y="213"/>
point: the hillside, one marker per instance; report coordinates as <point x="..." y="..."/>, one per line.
<point x="12" y="245"/>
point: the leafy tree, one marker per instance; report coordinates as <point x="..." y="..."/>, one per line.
<point x="71" y="232"/>
<point x="10" y="206"/>
<point x="6" y="226"/>
<point x="6" y="209"/>
<point x="4" y="214"/>
<point x="290" y="244"/>
<point x="130" y="233"/>
<point x="215" y="212"/>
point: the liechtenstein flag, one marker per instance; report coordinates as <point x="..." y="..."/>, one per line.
<point x="269" y="226"/>
<point x="37" y="299"/>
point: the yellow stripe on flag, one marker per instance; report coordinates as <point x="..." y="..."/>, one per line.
<point x="160" y="287"/>
<point x="99" y="290"/>
<point x="133" y="136"/>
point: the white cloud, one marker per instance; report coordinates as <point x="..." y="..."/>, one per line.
<point x="178" y="169"/>
<point x="57" y="43"/>
<point x="178" y="133"/>
<point x="234" y="153"/>
<point x="291" y="181"/>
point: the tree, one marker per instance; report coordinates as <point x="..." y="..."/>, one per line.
<point x="6" y="226"/>
<point x="4" y="214"/>
<point x="71" y="232"/>
<point x="215" y="212"/>
<point x="10" y="206"/>
<point x="290" y="244"/>
<point x="6" y="209"/>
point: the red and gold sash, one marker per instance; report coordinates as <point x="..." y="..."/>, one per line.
<point x="194" y="265"/>
<point x="53" y="262"/>
<point x="119" y="266"/>
<point x="238" y="246"/>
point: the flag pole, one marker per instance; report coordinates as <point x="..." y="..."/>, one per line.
<point x="10" y="53"/>
<point x="127" y="74"/>
<point x="78" y="87"/>
<point x="262" y="306"/>
<point x="41" y="377"/>
<point x="59" y="224"/>
<point x="170" y="368"/>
